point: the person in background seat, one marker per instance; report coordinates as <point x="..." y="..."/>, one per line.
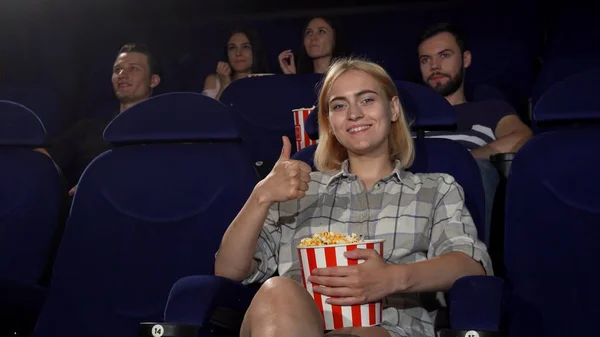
<point x="362" y="187"/>
<point x="323" y="42"/>
<point x="486" y="127"/>
<point x="135" y="74"/>
<point x="243" y="55"/>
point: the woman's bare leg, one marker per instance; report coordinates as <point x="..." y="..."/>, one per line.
<point x="282" y="307"/>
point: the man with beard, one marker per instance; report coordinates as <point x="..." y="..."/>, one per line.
<point x="485" y="127"/>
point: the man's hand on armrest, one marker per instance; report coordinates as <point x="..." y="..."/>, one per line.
<point x="510" y="134"/>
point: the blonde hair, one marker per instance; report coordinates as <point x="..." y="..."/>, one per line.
<point x="330" y="154"/>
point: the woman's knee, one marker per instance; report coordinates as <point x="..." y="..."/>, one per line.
<point x="284" y="295"/>
<point x="282" y="303"/>
<point x="282" y="288"/>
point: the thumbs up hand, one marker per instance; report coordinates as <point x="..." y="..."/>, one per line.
<point x="288" y="179"/>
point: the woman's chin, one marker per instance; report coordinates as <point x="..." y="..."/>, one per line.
<point x="318" y="55"/>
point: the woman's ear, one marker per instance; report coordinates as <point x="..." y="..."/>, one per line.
<point x="395" y="108"/>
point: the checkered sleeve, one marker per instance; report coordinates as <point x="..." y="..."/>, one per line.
<point x="266" y="254"/>
<point x="453" y="229"/>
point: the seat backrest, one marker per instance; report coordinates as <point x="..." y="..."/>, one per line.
<point x="44" y="101"/>
<point x="571" y="99"/>
<point x="263" y="111"/>
<point x="424" y="108"/>
<point x="552" y="222"/>
<point x="557" y="70"/>
<point x="147" y="213"/>
<point x="31" y="193"/>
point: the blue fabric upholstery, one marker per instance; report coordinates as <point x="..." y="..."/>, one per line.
<point x="188" y="304"/>
<point x="476" y="303"/>
<point x="43" y="101"/>
<point x="552" y="220"/>
<point x="20" y="126"/>
<point x="557" y="70"/>
<point x="425" y="108"/>
<point x="263" y="110"/>
<point x="20" y="305"/>
<point x="198" y="118"/>
<point x="574" y="98"/>
<point x="31" y="195"/>
<point x="143" y="217"/>
<point x="193" y="299"/>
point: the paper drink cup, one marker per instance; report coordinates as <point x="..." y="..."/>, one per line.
<point x="302" y="138"/>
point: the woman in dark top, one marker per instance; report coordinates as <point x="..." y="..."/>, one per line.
<point x="323" y="41"/>
<point x="243" y="55"/>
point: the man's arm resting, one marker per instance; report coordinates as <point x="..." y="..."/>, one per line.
<point x="511" y="134"/>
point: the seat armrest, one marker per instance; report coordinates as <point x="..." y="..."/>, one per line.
<point x="502" y="162"/>
<point x="195" y="299"/>
<point x="476" y="303"/>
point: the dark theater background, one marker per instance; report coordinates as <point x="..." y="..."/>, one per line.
<point x="123" y="255"/>
<point x="70" y="45"/>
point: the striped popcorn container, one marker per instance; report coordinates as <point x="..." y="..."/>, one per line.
<point x="335" y="316"/>
<point x="302" y="139"/>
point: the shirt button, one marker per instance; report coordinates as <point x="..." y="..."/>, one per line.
<point x="377" y="186"/>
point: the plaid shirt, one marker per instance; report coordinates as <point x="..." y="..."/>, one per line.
<point x="420" y="216"/>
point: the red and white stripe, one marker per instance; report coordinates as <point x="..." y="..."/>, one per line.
<point x="335" y="316"/>
<point x="302" y="139"/>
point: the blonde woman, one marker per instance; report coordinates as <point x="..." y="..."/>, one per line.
<point x="362" y="187"/>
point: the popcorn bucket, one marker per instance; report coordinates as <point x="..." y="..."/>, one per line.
<point x="302" y="139"/>
<point x="335" y="316"/>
